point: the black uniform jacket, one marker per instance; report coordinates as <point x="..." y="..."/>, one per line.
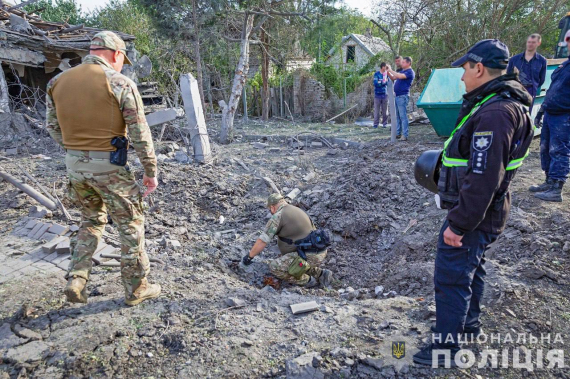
<point x="492" y="136"/>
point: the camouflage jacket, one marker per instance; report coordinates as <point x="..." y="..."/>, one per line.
<point x="272" y="225"/>
<point x="131" y="105"/>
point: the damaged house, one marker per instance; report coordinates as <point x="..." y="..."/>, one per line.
<point x="32" y="52"/>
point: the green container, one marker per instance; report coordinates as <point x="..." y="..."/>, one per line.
<point x="443" y="94"/>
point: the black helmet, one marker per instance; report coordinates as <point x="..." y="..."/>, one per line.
<point x="426" y="169"/>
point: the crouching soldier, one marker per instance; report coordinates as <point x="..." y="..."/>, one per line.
<point x="300" y="260"/>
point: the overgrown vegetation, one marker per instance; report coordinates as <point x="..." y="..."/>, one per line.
<point x="432" y="32"/>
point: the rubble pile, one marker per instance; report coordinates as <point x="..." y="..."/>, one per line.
<point x="215" y="313"/>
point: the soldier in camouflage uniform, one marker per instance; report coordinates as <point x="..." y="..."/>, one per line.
<point x="290" y="223"/>
<point x="87" y="106"/>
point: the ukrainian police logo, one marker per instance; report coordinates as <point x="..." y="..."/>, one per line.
<point x="399" y="349"/>
<point x="482" y="140"/>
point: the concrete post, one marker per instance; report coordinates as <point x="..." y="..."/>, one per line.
<point x="244" y="97"/>
<point x="392" y="106"/>
<point x="195" y="116"/>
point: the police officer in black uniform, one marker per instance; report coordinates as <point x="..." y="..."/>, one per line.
<point x="490" y="141"/>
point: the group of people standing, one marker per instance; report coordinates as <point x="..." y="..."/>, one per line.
<point x="403" y="78"/>
<point x="531" y="68"/>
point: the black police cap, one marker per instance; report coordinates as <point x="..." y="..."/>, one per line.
<point x="491" y="53"/>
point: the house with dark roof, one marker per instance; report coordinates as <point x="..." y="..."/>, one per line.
<point x="356" y="50"/>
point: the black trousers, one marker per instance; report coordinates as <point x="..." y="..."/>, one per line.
<point x="459" y="284"/>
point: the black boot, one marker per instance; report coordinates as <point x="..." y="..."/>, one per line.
<point x="542" y="187"/>
<point x="426" y="356"/>
<point x="552" y="194"/>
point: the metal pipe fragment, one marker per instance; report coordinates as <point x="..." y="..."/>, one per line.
<point x="29" y="190"/>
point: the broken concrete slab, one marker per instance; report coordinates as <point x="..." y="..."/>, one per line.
<point x="50" y="246"/>
<point x="260" y="145"/>
<point x="38" y="211"/>
<point x="293" y="194"/>
<point x="12" y="151"/>
<point x="31" y="224"/>
<point x="73" y="228"/>
<point x="47" y="236"/>
<point x="60" y="258"/>
<point x="52" y="256"/>
<point x="309" y="176"/>
<point x="27" y="333"/>
<point x="58" y="229"/>
<point x="9" y="339"/>
<point x="309" y="306"/>
<point x="195" y="116"/>
<point x="235" y="302"/>
<point x="35" y="229"/>
<point x="160" y="117"/>
<point x="64" y="265"/>
<point x="28" y="353"/>
<point x="41" y="231"/>
<point x="63" y="247"/>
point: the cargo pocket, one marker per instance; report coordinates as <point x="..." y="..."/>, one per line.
<point x="452" y="265"/>
<point x="72" y="194"/>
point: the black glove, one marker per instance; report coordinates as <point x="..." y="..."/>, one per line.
<point x="538" y="118"/>
<point x="247" y="260"/>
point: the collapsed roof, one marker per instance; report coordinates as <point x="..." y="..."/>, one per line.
<point x="28" y="41"/>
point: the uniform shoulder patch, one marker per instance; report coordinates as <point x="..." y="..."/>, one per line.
<point x="482" y="140"/>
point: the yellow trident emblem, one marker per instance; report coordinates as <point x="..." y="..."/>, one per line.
<point x="398" y="350"/>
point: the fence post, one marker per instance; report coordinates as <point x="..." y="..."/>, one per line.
<point x="244" y="96"/>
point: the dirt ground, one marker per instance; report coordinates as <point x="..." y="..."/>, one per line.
<point x="217" y="319"/>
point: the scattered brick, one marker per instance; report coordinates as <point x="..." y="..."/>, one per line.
<point x="58" y="229"/>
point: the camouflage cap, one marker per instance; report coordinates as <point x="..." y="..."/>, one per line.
<point x="273" y="199"/>
<point x="111" y="41"/>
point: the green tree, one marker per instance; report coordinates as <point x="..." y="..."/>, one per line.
<point x="58" y="11"/>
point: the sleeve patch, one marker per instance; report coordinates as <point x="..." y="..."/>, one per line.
<point x="482" y="140"/>
<point x="479" y="162"/>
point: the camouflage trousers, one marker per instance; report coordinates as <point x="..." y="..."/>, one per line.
<point x="279" y="267"/>
<point x="99" y="187"/>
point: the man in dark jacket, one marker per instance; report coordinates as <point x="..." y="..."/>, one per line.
<point x="490" y="141"/>
<point x="531" y="65"/>
<point x="555" y="134"/>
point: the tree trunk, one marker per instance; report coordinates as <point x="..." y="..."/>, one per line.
<point x="229" y="109"/>
<point x="197" y="54"/>
<point x="264" y="76"/>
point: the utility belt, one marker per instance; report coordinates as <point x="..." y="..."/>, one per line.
<point x="90" y="154"/>
<point x="317" y="241"/>
<point x="117" y="157"/>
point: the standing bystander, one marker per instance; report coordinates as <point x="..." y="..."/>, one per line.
<point x="555" y="135"/>
<point x="403" y="81"/>
<point x="531" y="65"/>
<point x="380" y="97"/>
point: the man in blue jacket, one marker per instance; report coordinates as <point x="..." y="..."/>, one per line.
<point x="380" y="97"/>
<point x="531" y="65"/>
<point x="555" y="134"/>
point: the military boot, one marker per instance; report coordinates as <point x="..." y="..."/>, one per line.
<point x="541" y="187"/>
<point x="311" y="283"/>
<point x="552" y="194"/>
<point x="76" y="290"/>
<point x="144" y="292"/>
<point x="326" y="278"/>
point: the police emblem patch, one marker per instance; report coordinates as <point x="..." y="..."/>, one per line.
<point x="398" y="349"/>
<point x="482" y="140"/>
